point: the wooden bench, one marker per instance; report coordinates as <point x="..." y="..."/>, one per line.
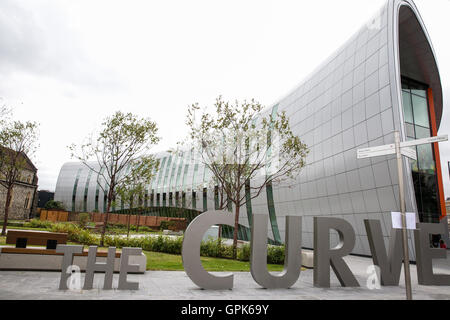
<point x="22" y="238"/>
<point x="51" y="252"/>
<point x="40" y="259"/>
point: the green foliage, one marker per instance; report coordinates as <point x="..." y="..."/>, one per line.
<point x="244" y="253"/>
<point x="83" y="219"/>
<point x="141" y="228"/>
<point x="75" y="233"/>
<point x="18" y="143"/>
<point x="52" y="204"/>
<point x="236" y="148"/>
<point x="124" y="140"/>
<point x="156" y="244"/>
<point x="36" y="223"/>
<point x="275" y="254"/>
<point x="165" y="225"/>
<point x="214" y="248"/>
<point x="119" y="228"/>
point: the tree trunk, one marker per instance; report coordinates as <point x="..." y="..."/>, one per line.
<point x="105" y="221"/>
<point x="7" y="204"/>
<point x="128" y="232"/>
<point x="138" y="222"/>
<point x="235" y="233"/>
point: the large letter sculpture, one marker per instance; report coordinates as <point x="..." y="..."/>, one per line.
<point x="425" y="254"/>
<point x="292" y="260"/>
<point x="323" y="256"/>
<point x="126" y="267"/>
<point x="390" y="264"/>
<point x="92" y="266"/>
<point x="191" y="250"/>
<point x="67" y="261"/>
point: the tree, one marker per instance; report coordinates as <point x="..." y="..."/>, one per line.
<point x="17" y="143"/>
<point x="121" y="151"/>
<point x="54" y="205"/>
<point x="5" y="114"/>
<point x="134" y="188"/>
<point x="245" y="150"/>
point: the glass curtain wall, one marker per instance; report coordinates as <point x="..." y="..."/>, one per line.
<point x="418" y="126"/>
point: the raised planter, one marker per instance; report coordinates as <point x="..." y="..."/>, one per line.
<point x="37" y="259"/>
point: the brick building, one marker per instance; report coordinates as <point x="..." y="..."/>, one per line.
<point x="24" y="198"/>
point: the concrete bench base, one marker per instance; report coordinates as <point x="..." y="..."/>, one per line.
<point x="49" y="262"/>
<point x="307" y="258"/>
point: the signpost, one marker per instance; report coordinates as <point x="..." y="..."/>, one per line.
<point x="401" y="148"/>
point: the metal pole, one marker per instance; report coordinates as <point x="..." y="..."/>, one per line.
<point x="403" y="215"/>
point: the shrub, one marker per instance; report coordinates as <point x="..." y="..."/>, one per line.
<point x="83" y="219"/>
<point x="75" y="233"/>
<point x="166" y="224"/>
<point x="36" y="223"/>
<point x="275" y="254"/>
<point x="243" y="253"/>
<point x="52" y="204"/>
<point x="156" y="244"/>
<point x="143" y="229"/>
<point x="216" y="249"/>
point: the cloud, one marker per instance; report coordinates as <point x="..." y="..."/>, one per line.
<point x="36" y="39"/>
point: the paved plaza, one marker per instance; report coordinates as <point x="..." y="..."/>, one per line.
<point x="176" y="285"/>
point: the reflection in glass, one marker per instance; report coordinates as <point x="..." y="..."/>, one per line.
<point x="420" y="108"/>
<point x="407" y="107"/>
<point x="417" y="126"/>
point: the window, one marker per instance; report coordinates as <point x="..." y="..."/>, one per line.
<point x="74" y="191"/>
<point x="27" y="201"/>
<point x="216" y="198"/>
<point x="417" y="125"/>
<point x="205" y="199"/>
<point x="146" y="199"/>
<point x="194" y="200"/>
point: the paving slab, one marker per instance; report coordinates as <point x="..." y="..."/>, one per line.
<point x="176" y="285"/>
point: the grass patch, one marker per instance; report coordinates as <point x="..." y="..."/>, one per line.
<point x="26" y="228"/>
<point x="172" y="262"/>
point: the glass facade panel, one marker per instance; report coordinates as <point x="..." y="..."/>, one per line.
<point x="420" y="108"/>
<point x="248" y="202"/>
<point x="419" y="92"/>
<point x="424" y="169"/>
<point x="205" y="199"/>
<point x="422" y="132"/>
<point x="216" y="198"/>
<point x="75" y="186"/>
<point x="410" y="133"/>
<point x="86" y="189"/>
<point x="407" y="106"/>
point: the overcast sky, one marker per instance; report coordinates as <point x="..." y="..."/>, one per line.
<point x="69" y="64"/>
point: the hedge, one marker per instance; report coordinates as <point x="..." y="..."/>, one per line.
<point x="210" y="248"/>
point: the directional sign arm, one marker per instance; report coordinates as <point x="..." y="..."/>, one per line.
<point x="412" y="143"/>
<point x="409" y="152"/>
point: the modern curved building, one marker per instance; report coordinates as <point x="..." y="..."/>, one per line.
<point x="384" y="79"/>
